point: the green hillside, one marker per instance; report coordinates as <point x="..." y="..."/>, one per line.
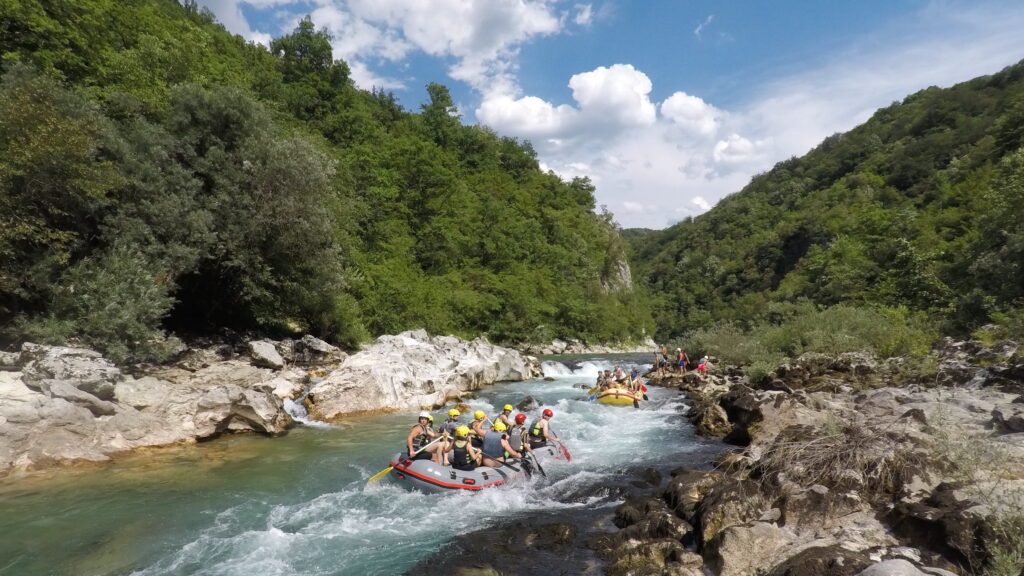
<point x="158" y="174"/>
<point x="919" y="212"/>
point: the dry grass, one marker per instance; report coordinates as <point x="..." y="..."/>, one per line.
<point x="841" y="455"/>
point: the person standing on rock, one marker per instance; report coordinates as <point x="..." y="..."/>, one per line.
<point x="421" y="435"/>
<point x="540" y="431"/>
<point x="703" y="365"/>
<point x="506" y="411"/>
<point x="681" y="360"/>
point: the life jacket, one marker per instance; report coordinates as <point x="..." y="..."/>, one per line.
<point x="537" y="438"/>
<point x="516" y="437"/>
<point x="492" y="444"/>
<point x="449" y="425"/>
<point x="422" y="439"/>
<point x="461" y="458"/>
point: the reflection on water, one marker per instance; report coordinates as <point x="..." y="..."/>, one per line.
<point x="299" y="505"/>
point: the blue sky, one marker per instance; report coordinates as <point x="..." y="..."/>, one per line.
<point x="667" y="105"/>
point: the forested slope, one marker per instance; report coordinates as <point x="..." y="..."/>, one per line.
<point x="919" y="212"/>
<point x="159" y="174"/>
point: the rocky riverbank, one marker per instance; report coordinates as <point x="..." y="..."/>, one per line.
<point x="842" y="466"/>
<point x="848" y="466"/>
<point x="61" y="405"/>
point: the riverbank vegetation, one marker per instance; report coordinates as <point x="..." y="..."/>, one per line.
<point x="162" y="176"/>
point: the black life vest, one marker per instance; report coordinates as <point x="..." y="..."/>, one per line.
<point x="422" y="439"/>
<point x="461" y="458"/>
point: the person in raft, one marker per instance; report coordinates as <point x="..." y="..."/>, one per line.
<point x="463" y="455"/>
<point x="421" y="435"/>
<point x="506" y="411"/>
<point x="540" y="432"/>
<point x="496" y="447"/>
<point x="476" y="429"/>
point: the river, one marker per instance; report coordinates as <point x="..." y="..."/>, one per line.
<point x="300" y="504"/>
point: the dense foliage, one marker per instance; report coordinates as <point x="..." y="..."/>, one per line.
<point x="920" y="209"/>
<point x="159" y="174"/>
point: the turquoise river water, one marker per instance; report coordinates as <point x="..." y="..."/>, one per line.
<point x="300" y="505"/>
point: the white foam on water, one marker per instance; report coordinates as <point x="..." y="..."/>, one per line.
<point x="384" y="528"/>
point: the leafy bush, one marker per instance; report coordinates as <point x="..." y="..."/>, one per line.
<point x="763" y="347"/>
<point x="114" y="303"/>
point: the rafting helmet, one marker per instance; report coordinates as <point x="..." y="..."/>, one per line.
<point x="520" y="418"/>
<point x="499" y="426"/>
<point x="479" y="415"/>
<point x="462" y="431"/>
<point x="548" y="412"/>
<point x="508" y="407"/>
<point x="425" y="414"/>
<point x="454" y="413"/>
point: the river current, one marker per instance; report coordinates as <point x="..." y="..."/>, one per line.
<point x="300" y="505"/>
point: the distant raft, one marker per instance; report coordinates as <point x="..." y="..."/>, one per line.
<point x="617" y="396"/>
<point x="426" y="475"/>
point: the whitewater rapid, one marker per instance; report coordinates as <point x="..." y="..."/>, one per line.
<point x="300" y="505"/>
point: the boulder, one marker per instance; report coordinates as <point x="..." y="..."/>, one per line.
<point x="9" y="361"/>
<point x="414" y="370"/>
<point x="820" y="560"/>
<point x="1008" y="418"/>
<point x="230" y="407"/>
<point x="264" y="354"/>
<point x="746" y="550"/>
<point x="80" y="368"/>
<point x="312" y="350"/>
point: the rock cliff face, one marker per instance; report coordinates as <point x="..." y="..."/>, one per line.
<point x="414" y="370"/>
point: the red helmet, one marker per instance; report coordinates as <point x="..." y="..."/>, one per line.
<point x="520" y="418"/>
<point x="548" y="412"/>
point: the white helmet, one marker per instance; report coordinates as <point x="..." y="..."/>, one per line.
<point x="425" y="414"/>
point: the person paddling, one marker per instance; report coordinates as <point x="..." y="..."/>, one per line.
<point x="540" y="431"/>
<point x="463" y="455"/>
<point x="421" y="435"/>
<point x="476" y="429"/>
<point x="496" y="447"/>
<point x="506" y="411"/>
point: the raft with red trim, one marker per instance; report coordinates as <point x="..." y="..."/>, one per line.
<point x="426" y="475"/>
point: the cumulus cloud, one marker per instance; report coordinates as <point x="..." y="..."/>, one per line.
<point x="652" y="163"/>
<point x="691" y="113"/>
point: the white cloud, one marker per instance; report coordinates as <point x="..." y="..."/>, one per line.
<point x="691" y="113"/>
<point x="584" y="14"/>
<point x="700" y="27"/>
<point x="656" y="162"/>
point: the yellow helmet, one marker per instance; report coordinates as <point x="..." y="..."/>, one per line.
<point x="462" y="431"/>
<point x="508" y="407"/>
<point x="500" y="426"/>
<point x="479" y="415"/>
<point x="454" y="413"/>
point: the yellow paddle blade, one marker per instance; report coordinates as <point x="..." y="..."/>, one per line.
<point x="381" y="474"/>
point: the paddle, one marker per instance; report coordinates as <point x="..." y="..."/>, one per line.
<point x="565" y="451"/>
<point x="537" y="464"/>
<point x="381" y="474"/>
